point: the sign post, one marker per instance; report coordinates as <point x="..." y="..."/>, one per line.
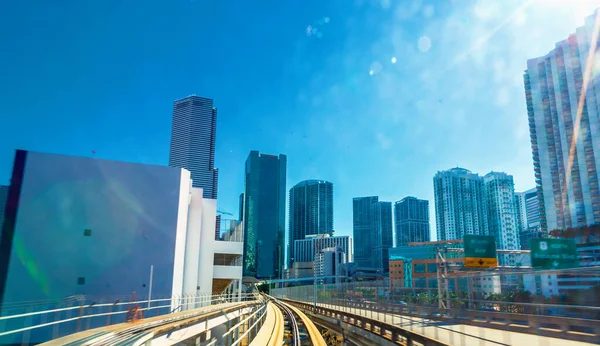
<point x="480" y="251"/>
<point x="553" y="253"/>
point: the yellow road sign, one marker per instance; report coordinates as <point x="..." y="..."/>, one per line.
<point x="474" y="262"/>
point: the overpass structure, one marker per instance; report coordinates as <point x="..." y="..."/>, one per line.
<point x="297" y="319"/>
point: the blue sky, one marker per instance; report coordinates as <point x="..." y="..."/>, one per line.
<point x="375" y="96"/>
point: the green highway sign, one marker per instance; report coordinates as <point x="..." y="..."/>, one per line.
<point x="553" y="253"/>
<point x="480" y="251"/>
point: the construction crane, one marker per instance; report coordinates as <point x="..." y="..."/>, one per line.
<point x="223" y="212"/>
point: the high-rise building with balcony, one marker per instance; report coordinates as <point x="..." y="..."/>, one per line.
<point x="311" y="211"/>
<point x="502" y="214"/>
<point x="411" y="219"/>
<point x="460" y="206"/>
<point x="264" y="215"/>
<point x="193" y="136"/>
<point x="565" y="160"/>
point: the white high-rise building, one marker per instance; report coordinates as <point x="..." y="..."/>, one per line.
<point x="528" y="210"/>
<point x="554" y="83"/>
<point x="502" y="215"/>
<point x="460" y="206"/>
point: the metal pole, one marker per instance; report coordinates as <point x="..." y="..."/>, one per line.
<point x="150" y="285"/>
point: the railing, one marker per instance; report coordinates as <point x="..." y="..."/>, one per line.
<point x="331" y="296"/>
<point x="331" y="318"/>
<point x="31" y="322"/>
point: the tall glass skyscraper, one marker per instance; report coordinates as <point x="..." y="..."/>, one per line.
<point x="411" y="221"/>
<point x="264" y="215"/>
<point x="459" y="204"/>
<point x="364" y="230"/>
<point x="568" y="194"/>
<point x="385" y="234"/>
<point x="311" y="211"/>
<point x="193" y="136"/>
<point x="502" y="215"/>
<point x="372" y="230"/>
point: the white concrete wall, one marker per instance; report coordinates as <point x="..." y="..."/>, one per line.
<point x="227" y="272"/>
<point x="181" y="233"/>
<point x="192" y="249"/>
<point x="229" y="247"/>
<point x="207" y="245"/>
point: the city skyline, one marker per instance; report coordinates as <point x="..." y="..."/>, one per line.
<point x="328" y="115"/>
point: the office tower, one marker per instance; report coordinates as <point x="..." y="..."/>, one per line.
<point x="193" y="136"/>
<point x="502" y="213"/>
<point x="373" y="231"/>
<point x="311" y="211"/>
<point x="364" y="230"/>
<point x="385" y="234"/>
<point x="411" y="221"/>
<point x="459" y="204"/>
<point x="529" y="217"/>
<point x="329" y="262"/>
<point x="264" y="215"/>
<point x="569" y="194"/>
<point x="3" y="197"/>
<point x="241" y="207"/>
<point x="305" y="249"/>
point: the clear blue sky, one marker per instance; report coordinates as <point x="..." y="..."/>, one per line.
<point x="83" y="75"/>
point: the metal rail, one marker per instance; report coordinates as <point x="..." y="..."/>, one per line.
<point x="382" y="329"/>
<point x="82" y="309"/>
<point x="292" y="320"/>
<point x="127" y="334"/>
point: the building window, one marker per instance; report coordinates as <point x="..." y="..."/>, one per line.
<point x="419" y="268"/>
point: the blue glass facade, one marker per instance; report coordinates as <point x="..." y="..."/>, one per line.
<point x="264" y="215"/>
<point x="373" y="232"/>
<point x="411" y="220"/>
<point x="311" y="211"/>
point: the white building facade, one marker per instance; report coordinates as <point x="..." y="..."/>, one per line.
<point x="502" y="214"/>
<point x="569" y="194"/>
<point x="460" y="206"/>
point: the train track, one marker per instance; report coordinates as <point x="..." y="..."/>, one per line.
<point x="293" y="323"/>
<point x="299" y="322"/>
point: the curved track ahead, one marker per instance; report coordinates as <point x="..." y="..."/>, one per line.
<point x="316" y="339"/>
<point x="292" y="320"/>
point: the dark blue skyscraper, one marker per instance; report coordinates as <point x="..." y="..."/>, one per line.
<point x="3" y="197"/>
<point x="264" y="215"/>
<point x="373" y="231"/>
<point x="364" y="230"/>
<point x="193" y="136"/>
<point x="411" y="220"/>
<point x="311" y="211"/>
<point x="385" y="234"/>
